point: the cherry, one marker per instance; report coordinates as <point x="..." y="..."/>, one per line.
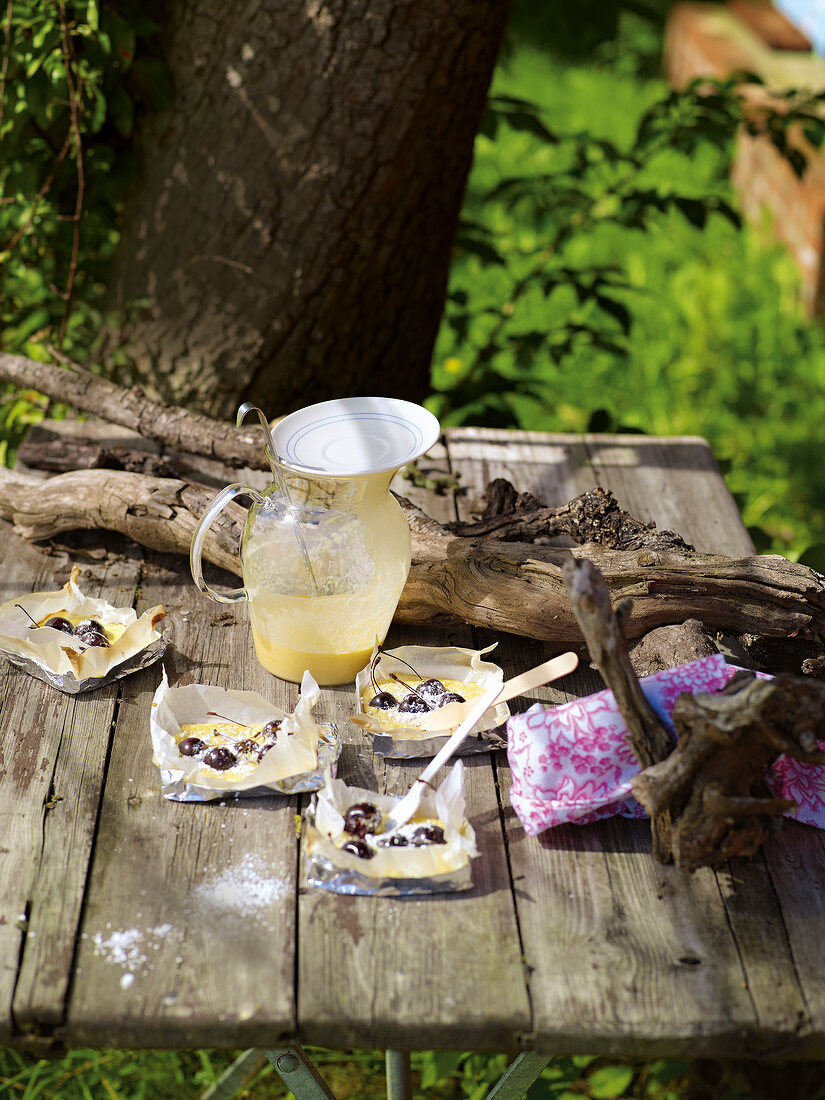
<point x="93" y="637"/>
<point x="362" y="818"/>
<point x="395" y="840"/>
<point x="57" y="622"/>
<point x="431" y="687"/>
<point x="249" y="745"/>
<point x="428" y="834"/>
<point x="272" y="727"/>
<point x="383" y="700"/>
<point x="219" y="758"/>
<point x="359" y="848"/>
<point x="413" y="704"/>
<point x="451" y="697"/>
<point x="89" y="624"/>
<point x="191" y="746"/>
<point x="265" y="749"/>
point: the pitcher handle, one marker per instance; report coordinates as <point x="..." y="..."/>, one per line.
<point x="199" y="537"/>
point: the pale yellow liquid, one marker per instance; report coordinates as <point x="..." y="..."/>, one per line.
<point x="331" y="636"/>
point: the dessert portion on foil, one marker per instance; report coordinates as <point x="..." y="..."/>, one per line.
<point x="352" y="847"/>
<point x="77" y="642"/>
<point x="211" y="742"/>
<point x="401" y="687"/>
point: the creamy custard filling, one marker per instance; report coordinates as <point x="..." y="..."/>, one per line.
<point x="228" y="746"/>
<point x="111" y="631"/>
<point x="391" y="717"/>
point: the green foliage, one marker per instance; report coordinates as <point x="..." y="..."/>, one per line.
<point x="606" y="284"/>
<point x="70" y="74"/>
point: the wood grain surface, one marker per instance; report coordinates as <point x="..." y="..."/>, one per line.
<point x="129" y="920"/>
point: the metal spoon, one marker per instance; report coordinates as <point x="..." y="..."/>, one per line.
<point x="409" y="804"/>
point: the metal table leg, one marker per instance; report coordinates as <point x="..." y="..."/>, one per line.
<point x="233" y="1078"/>
<point x="399" y="1075"/>
<point x="298" y="1073"/>
<point x="518" y="1077"/>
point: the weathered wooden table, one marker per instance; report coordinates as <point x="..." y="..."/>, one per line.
<point x="130" y="921"/>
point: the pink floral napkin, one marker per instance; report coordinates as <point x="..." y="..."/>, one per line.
<point x="571" y="762"/>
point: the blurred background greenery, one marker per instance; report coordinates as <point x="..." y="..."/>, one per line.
<point x="601" y="282"/>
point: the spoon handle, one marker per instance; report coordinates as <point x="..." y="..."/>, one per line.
<point x="541" y="674"/>
<point x="446" y="717"/>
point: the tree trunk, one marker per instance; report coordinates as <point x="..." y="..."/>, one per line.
<point x="293" y="214"/>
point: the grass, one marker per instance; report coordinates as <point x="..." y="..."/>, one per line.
<point x="718" y="345"/>
<point x="353" y="1075"/>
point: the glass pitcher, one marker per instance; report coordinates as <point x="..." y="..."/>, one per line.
<point x="326" y="548"/>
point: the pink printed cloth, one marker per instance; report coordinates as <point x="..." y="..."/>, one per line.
<point x="572" y="763"/>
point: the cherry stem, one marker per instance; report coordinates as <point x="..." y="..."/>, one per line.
<point x="379" y="653"/>
<point x="403" y="683"/>
<point x="28" y="616"/>
<point x="214" y="714"/>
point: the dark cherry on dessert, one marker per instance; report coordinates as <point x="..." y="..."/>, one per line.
<point x="383" y="700"/>
<point x="431" y="687"/>
<point x="219" y="758"/>
<point x="57" y="622"/>
<point x="395" y="840"/>
<point x="265" y="749"/>
<point x="428" y="834"/>
<point x="362" y="818"/>
<point x="191" y="746"/>
<point x="451" y="697"/>
<point x="248" y="745"/>
<point x="92" y="637"/>
<point x="272" y="727"/>
<point x="413" y="704"/>
<point x="358" y="847"/>
<point x="89" y="624"/>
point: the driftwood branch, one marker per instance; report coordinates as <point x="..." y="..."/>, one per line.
<point x="171" y="425"/>
<point x="646" y="735"/>
<point x="707" y="797"/>
<point x="513" y="587"/>
<point x="593" y="516"/>
<point x="713" y="782"/>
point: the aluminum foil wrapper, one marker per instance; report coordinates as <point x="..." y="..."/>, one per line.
<point x="445" y="663"/>
<point x="71" y="686"/>
<point x="303" y="752"/>
<point x="394" y="872"/>
<point x="60" y="659"/>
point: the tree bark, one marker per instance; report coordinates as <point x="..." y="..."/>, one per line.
<point x="292" y="218"/>
<point x="169" y="425"/>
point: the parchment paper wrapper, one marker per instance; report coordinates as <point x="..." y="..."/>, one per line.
<point x="573" y="763"/>
<point x="392" y="872"/>
<point x="303" y="749"/>
<point x="59" y="658"/>
<point x="445" y="663"/>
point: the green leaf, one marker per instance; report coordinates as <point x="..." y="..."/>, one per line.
<point x="609" y="1082"/>
<point x="475" y="246"/>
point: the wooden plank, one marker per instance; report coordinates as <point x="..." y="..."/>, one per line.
<point x="441" y="972"/>
<point x="188" y="935"/>
<point x="796" y="864"/>
<point x="54" y="749"/>
<point x="609" y="978"/>
<point x="68" y="827"/>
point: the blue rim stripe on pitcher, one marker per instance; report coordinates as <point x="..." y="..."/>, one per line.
<point x="294" y="441"/>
